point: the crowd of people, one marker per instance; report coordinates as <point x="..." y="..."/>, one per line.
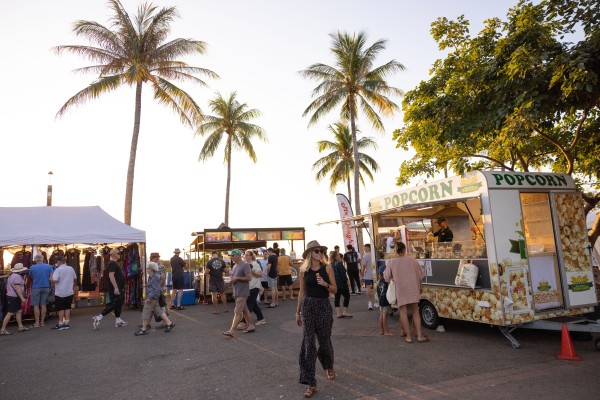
<point x="256" y="279"/>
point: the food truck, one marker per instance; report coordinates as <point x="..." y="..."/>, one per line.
<point x="520" y="252"/>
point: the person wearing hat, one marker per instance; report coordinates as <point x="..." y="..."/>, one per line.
<point x="65" y="281"/>
<point x="151" y="305"/>
<point x="177" y="269"/>
<point x="162" y="274"/>
<point x="241" y="275"/>
<point x="116" y="283"/>
<point x="315" y="315"/>
<point x="444" y="234"/>
<point x="15" y="298"/>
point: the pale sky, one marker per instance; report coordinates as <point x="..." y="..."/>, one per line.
<point x="257" y="48"/>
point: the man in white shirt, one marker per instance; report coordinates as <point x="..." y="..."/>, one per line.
<point x="65" y="280"/>
<point x="367" y="273"/>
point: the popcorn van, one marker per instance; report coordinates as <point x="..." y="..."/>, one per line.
<point x="519" y="253"/>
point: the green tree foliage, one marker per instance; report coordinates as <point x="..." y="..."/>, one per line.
<point x="131" y="52"/>
<point x="339" y="163"/>
<point x="517" y="96"/>
<point x="232" y="122"/>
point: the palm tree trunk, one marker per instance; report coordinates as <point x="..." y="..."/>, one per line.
<point x="226" y="222"/>
<point x="349" y="191"/>
<point x="356" y="172"/>
<point x="132" y="153"/>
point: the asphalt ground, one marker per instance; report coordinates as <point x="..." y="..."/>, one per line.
<point x="467" y="361"/>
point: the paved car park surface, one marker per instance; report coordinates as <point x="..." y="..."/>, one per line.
<point x="467" y="361"/>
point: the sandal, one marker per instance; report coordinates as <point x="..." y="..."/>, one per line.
<point x="407" y="340"/>
<point x="141" y="332"/>
<point x="310" y="391"/>
<point x="248" y="330"/>
<point x="330" y="374"/>
<point x="5" y="333"/>
<point x="228" y="334"/>
<point x="24" y="329"/>
<point x="425" y="339"/>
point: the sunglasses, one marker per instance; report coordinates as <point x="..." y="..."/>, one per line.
<point x="317" y="251"/>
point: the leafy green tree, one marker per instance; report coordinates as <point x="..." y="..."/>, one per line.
<point x="517" y="96"/>
<point x="339" y="163"/>
<point x="354" y="84"/>
<point x="131" y="52"/>
<point x="232" y="121"/>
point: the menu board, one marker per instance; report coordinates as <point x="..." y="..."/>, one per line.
<point x="292" y="235"/>
<point x="218" y="237"/>
<point x="243" y="236"/>
<point x="269" y="235"/>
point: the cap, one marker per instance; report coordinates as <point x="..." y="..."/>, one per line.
<point x="439" y="219"/>
<point x="236" y="252"/>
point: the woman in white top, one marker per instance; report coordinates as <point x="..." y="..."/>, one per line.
<point x="255" y="284"/>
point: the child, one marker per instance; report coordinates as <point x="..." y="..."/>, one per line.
<point x="385" y="308"/>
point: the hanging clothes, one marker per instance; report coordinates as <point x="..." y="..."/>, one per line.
<point x="56" y="253"/>
<point x="89" y="268"/>
<point x="23" y="257"/>
<point x="72" y="260"/>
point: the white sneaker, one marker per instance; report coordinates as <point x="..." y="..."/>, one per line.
<point x="261" y="322"/>
<point x="370" y="306"/>
<point x="376" y="305"/>
<point x="95" y="322"/>
<point x="120" y="324"/>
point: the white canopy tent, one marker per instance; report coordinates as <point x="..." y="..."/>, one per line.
<point x="63" y="225"/>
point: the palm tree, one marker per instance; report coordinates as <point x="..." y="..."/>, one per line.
<point x="132" y="52"/>
<point x="355" y="84"/>
<point x="339" y="164"/>
<point x="231" y="119"/>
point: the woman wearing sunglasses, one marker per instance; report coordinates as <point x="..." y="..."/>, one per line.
<point x="315" y="315"/>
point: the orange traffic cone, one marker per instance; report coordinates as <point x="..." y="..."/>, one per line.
<point x="567" y="352"/>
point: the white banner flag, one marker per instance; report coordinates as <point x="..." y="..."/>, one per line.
<point x="348" y="231"/>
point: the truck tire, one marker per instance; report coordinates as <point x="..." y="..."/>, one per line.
<point x="429" y="315"/>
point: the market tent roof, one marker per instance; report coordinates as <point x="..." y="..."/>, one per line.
<point x="63" y="225"/>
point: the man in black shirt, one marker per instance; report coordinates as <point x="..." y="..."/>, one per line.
<point x="177" y="267"/>
<point x="215" y="269"/>
<point x="351" y="260"/>
<point x="444" y="234"/>
<point x="272" y="277"/>
<point x="116" y="283"/>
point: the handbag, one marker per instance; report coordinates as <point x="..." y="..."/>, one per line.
<point x="390" y="295"/>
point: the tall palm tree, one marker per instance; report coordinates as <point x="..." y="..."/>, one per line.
<point x="354" y="84"/>
<point x="339" y="164"/>
<point x="231" y="119"/>
<point x="131" y="52"/>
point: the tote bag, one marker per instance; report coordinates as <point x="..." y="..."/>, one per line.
<point x="390" y="295"/>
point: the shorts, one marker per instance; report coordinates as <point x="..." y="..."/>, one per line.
<point x="62" y="303"/>
<point x="151" y="308"/>
<point x="216" y="286"/>
<point x="285" y="280"/>
<point x="386" y="310"/>
<point x="39" y="296"/>
<point x="14" y="304"/>
<point x="178" y="282"/>
<point x="272" y="282"/>
<point x="265" y="284"/>
<point x="369" y="282"/>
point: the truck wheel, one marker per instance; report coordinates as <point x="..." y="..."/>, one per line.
<point x="429" y="316"/>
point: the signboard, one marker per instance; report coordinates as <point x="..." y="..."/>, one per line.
<point x="348" y="232"/>
<point x="212" y="237"/>
<point x="292" y="235"/>
<point x="269" y="235"/>
<point x="243" y="236"/>
<point x="517" y="180"/>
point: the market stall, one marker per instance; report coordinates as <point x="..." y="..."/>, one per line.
<point x="519" y="251"/>
<point x="84" y="236"/>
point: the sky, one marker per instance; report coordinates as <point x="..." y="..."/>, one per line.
<point x="257" y="48"/>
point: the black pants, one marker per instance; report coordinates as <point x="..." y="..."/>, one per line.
<point x="354" y="277"/>
<point x="115" y="303"/>
<point x="317" y="319"/>
<point x="342" y="292"/>
<point x="253" y="305"/>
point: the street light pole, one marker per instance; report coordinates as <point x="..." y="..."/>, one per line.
<point x="49" y="194"/>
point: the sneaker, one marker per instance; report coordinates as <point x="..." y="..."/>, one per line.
<point x="64" y="327"/>
<point x="370" y="306"/>
<point x="95" y="322"/>
<point x="120" y="324"/>
<point x="261" y="322"/>
<point x="352" y="293"/>
<point x="359" y="292"/>
<point x="376" y="305"/>
<point x="57" y="327"/>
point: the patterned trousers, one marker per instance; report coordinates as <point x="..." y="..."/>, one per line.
<point x="317" y="320"/>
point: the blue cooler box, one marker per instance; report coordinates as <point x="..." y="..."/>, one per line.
<point x="189" y="297"/>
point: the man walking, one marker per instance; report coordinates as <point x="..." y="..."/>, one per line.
<point x="116" y="283"/>
<point x="216" y="285"/>
<point x="284" y="268"/>
<point x="162" y="274"/>
<point x="65" y="281"/>
<point x="351" y="260"/>
<point x="367" y="273"/>
<point x="241" y="275"/>
<point x="272" y="277"/>
<point x="40" y="289"/>
<point x="177" y="269"/>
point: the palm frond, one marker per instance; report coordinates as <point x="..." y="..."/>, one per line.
<point x="101" y="86"/>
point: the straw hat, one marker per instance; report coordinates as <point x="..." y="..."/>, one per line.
<point x="176" y="251"/>
<point x="313" y="245"/>
<point x="18" y="268"/>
